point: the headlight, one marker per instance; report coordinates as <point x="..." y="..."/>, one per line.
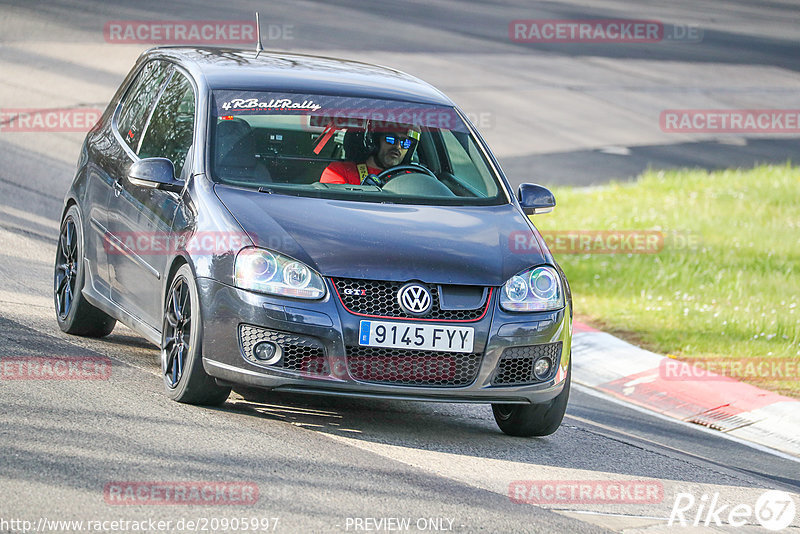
<point x="269" y="272"/>
<point x="537" y="289"/>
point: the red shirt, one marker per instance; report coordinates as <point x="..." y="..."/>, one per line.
<point x="344" y="172"/>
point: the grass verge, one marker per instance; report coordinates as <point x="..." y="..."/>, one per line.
<point x="723" y="287"/>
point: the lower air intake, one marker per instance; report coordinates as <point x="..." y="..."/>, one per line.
<point x="516" y="364"/>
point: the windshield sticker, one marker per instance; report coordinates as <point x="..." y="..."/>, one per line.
<point x="339" y="111"/>
<point x="253" y="104"/>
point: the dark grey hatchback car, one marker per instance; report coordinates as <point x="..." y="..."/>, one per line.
<point x="314" y="225"/>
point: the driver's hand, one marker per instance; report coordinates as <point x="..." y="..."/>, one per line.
<point x="372" y="179"/>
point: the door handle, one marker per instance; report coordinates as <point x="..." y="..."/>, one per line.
<point x="117" y="188"/>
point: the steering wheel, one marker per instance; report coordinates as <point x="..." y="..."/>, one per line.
<point x="392" y="172"/>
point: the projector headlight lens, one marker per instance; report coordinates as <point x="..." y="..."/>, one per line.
<point x="268" y="272"/>
<point x="537" y="289"/>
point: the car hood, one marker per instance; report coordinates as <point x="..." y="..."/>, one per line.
<point x="471" y="245"/>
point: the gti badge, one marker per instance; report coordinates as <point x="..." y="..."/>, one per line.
<point x="350" y="292"/>
<point x="415" y="299"/>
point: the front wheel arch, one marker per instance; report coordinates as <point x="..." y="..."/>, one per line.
<point x="177" y="263"/>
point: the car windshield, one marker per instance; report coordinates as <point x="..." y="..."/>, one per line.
<point x="351" y="148"/>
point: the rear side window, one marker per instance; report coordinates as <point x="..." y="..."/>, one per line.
<point x="169" y="132"/>
<point x="138" y="101"/>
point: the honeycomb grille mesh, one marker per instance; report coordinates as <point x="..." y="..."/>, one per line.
<point x="381" y="300"/>
<point x="300" y="353"/>
<point x="516" y="364"/>
<point x="412" y="367"/>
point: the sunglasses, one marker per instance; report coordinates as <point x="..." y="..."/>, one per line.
<point x="405" y="142"/>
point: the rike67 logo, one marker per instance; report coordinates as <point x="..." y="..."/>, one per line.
<point x="774" y="510"/>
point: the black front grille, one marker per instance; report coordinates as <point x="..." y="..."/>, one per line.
<point x="300" y="353"/>
<point x="516" y="364"/>
<point x="379" y="299"/>
<point x="412" y="367"/>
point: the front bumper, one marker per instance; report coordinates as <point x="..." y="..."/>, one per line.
<point x="225" y="309"/>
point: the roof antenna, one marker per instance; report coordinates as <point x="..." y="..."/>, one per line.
<point x="259" y="47"/>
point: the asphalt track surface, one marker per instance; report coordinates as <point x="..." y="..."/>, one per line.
<point x="553" y="114"/>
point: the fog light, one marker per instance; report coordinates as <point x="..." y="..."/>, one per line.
<point x="267" y="352"/>
<point x="541" y="368"/>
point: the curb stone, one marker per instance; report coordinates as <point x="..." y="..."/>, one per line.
<point x="613" y="366"/>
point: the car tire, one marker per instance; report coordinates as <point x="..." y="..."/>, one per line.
<point x="185" y="380"/>
<point x="75" y="315"/>
<point x="527" y="420"/>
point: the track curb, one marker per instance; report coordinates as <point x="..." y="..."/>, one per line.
<point x="615" y="367"/>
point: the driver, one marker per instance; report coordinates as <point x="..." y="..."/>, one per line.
<point x="385" y="149"/>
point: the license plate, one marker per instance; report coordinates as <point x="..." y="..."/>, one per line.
<point x="416" y="336"/>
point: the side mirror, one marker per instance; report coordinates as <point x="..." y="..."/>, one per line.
<point x="535" y="199"/>
<point x="157" y="173"/>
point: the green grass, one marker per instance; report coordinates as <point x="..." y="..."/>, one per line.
<point x="735" y="296"/>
